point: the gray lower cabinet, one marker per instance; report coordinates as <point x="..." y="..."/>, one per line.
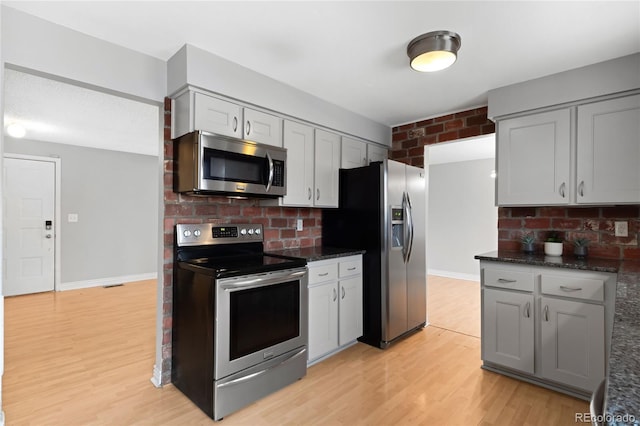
<point x="550" y="326"/>
<point x="335" y="305"/>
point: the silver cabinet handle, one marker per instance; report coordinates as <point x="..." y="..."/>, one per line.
<point x="309" y="193"/>
<point x="317" y="193"/>
<point x="581" y="188"/>
<point x="527" y="310"/>
<point x="351" y="269"/>
<point x="561" y="190"/>
<point x="235" y="123"/>
<point x="504" y="280"/>
<point x="335" y="295"/>
<point x="546" y="313"/>
<point x="323" y="275"/>
<point x="364" y="161"/>
<point x="570" y="289"/>
<point x="343" y="293"/>
<point x="248" y="127"/>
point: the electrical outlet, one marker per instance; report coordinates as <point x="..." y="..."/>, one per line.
<point x="299" y="226"/>
<point x="72" y="217"/>
<point x="621" y="229"/>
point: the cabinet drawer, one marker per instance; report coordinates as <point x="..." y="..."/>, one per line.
<point x="322" y="273"/>
<point x="575" y="287"/>
<point x="514" y="280"/>
<point x="350" y="267"/>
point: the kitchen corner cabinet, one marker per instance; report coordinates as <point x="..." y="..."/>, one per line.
<point x="327" y="164"/>
<point x="375" y="153"/>
<point x="548" y="326"/>
<point x="198" y="111"/>
<point x="335" y="305"/>
<point x="354" y="153"/>
<point x="537" y="153"/>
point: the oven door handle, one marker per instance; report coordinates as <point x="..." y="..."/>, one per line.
<point x="260" y="281"/>
<point x="261" y="372"/>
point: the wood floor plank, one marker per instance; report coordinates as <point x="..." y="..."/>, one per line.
<point x="84" y="357"/>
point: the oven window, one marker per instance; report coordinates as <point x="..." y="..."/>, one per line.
<point x="263" y="317"/>
<point x="234" y="167"/>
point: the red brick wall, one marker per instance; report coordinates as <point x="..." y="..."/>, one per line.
<point x="594" y="223"/>
<point x="278" y="222"/>
<point x="409" y="139"/>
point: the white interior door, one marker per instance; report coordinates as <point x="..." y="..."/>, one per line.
<point x="29" y="226"/>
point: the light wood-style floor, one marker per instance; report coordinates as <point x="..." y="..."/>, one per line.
<point x="84" y="357"/>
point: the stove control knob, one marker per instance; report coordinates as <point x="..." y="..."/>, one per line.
<point x="258" y="231"/>
<point x="250" y="231"/>
<point x="187" y="233"/>
<point x="196" y="233"/>
<point x="243" y="231"/>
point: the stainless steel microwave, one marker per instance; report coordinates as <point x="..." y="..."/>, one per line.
<point x="206" y="163"/>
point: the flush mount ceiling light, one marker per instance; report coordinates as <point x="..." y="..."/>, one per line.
<point x="433" y="51"/>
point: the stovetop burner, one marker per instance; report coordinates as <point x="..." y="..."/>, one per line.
<point x="229" y="250"/>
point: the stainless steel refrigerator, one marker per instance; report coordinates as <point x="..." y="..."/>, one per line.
<point x="382" y="210"/>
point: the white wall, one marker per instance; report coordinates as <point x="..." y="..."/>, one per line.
<point x="462" y="218"/>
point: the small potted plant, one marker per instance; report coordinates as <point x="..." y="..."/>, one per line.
<point x="580" y="247"/>
<point x="553" y="244"/>
<point x="527" y="242"/>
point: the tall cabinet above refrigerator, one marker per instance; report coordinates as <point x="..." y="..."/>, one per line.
<point x="382" y="210"/>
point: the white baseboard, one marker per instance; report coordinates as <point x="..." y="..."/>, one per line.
<point x="456" y="275"/>
<point x="156" y="379"/>
<point x="75" y="285"/>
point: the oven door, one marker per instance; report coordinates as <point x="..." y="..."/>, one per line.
<point x="239" y="166"/>
<point x="259" y="317"/>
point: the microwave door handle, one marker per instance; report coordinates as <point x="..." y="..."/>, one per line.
<point x="270" y="178"/>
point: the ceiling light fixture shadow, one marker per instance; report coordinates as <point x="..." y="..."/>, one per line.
<point x="433" y="51"/>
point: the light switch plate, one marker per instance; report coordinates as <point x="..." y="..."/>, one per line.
<point x="299" y="226"/>
<point x="621" y="229"/>
<point x="72" y="217"/>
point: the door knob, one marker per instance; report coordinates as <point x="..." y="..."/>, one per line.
<point x="48" y="235"/>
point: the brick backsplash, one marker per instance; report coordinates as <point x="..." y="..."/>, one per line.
<point x="594" y="223"/>
<point x="409" y="139"/>
<point x="279" y="224"/>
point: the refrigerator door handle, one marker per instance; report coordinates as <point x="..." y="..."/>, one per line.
<point x="405" y="228"/>
<point x="409" y="222"/>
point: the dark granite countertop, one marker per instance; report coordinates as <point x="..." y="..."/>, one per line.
<point x="622" y="396"/>
<point x="312" y="254"/>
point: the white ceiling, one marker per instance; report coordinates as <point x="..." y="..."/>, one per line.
<point x="353" y="54"/>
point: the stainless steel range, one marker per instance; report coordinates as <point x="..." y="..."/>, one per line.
<point x="239" y="317"/>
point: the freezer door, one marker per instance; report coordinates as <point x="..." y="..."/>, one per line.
<point x="395" y="291"/>
<point x="417" y="264"/>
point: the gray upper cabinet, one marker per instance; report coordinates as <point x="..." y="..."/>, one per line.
<point x="198" y="111"/>
<point x="354" y="153"/>
<point x="533" y="155"/>
<point x="327" y="164"/>
<point x="608" y="151"/>
<point x="542" y="161"/>
<point x="375" y="153"/>
<point x="298" y="140"/>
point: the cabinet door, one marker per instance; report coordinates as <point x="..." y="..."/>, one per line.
<point x="217" y="116"/>
<point x="573" y="341"/>
<point x="507" y="329"/>
<point x="375" y="153"/>
<point x="327" y="164"/>
<point x="262" y="128"/>
<point x="608" y="151"/>
<point x="350" y="311"/>
<point x="323" y="319"/>
<point x="298" y="140"/>
<point x="533" y="159"/>
<point x="354" y="153"/>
